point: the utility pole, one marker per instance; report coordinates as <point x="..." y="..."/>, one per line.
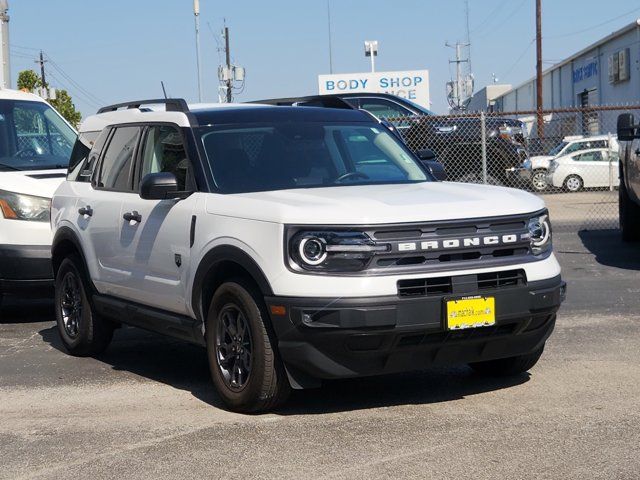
<point x="228" y="60"/>
<point x="540" y="119"/>
<point x="5" y="59"/>
<point x="42" y="76"/>
<point x="456" y="87"/>
<point x="196" y="14"/>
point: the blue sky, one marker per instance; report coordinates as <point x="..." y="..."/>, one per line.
<point x="116" y="50"/>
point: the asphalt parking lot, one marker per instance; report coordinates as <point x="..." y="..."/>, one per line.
<point x="146" y="407"/>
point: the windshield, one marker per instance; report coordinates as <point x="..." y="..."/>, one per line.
<point x="33" y="136"/>
<point x="556" y="150"/>
<point x="278" y="156"/>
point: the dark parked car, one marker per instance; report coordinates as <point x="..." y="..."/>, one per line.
<point x="456" y="140"/>
<point x="629" y="191"/>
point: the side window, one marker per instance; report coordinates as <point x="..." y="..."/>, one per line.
<point x="383" y="108"/>
<point x="589" y="157"/>
<point x="115" y="173"/>
<point x="598" y="144"/>
<point x="574" y="147"/>
<point x="80" y="154"/>
<point x="164" y="151"/>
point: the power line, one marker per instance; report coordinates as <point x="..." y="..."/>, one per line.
<point x="507" y="18"/>
<point x="593" y="26"/>
<point x="75" y="93"/>
<point x="77" y="86"/>
<point x="489" y="17"/>
<point x="518" y="59"/>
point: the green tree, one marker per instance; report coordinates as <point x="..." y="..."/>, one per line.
<point x="29" y="80"/>
<point x="63" y="103"/>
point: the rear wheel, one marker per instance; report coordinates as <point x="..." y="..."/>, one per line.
<point x="573" y="183"/>
<point x="539" y="180"/>
<point x="82" y="332"/>
<point x="629" y="214"/>
<point x="244" y="363"/>
<point x="505" y="367"/>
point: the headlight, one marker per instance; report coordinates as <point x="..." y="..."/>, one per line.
<point x="16" y="206"/>
<point x="527" y="164"/>
<point x="540" y="234"/>
<point x="332" y="251"/>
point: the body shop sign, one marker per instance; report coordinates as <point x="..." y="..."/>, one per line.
<point x="588" y="70"/>
<point x="412" y="84"/>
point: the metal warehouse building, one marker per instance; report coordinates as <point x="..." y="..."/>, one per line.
<point x="605" y="73"/>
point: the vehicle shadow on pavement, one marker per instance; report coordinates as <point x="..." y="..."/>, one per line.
<point x="184" y="366"/>
<point x="23" y="311"/>
<point x="610" y="250"/>
<point x="426" y="387"/>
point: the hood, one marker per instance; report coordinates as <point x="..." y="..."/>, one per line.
<point x="40" y="183"/>
<point x="377" y="204"/>
<point x="540" y="161"/>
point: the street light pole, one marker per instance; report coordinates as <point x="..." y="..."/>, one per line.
<point x="5" y="59"/>
<point x="371" y="50"/>
<point x="196" y="14"/>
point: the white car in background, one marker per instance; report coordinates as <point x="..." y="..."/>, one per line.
<point x="35" y="148"/>
<point x="594" y="168"/>
<point x="540" y="164"/>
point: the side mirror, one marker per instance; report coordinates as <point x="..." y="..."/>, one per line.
<point x="160" y="186"/>
<point x="626" y="128"/>
<point x="426" y="154"/>
<point x="436" y="169"/>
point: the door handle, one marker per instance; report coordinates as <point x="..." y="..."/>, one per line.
<point x="88" y="211"/>
<point x="135" y="216"/>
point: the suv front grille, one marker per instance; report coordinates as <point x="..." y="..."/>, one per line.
<point x="438" y="286"/>
<point x="451" y="244"/>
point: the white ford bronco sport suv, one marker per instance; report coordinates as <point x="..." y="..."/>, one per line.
<point x="35" y="146"/>
<point x="297" y="244"/>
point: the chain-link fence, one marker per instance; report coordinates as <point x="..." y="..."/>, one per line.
<point x="572" y="163"/>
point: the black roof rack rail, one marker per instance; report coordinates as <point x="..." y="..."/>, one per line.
<point x="326" y="101"/>
<point x="172" y="105"/>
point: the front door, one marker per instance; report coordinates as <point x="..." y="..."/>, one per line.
<point x="154" y="241"/>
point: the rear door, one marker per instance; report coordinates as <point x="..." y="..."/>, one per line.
<point x="154" y="252"/>
<point x="593" y="167"/>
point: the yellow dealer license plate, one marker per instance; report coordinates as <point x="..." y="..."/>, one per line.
<point x="471" y="312"/>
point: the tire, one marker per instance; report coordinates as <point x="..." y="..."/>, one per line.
<point x="539" y="180"/>
<point x="573" y="183"/>
<point x="83" y="333"/>
<point x="507" y="367"/>
<point x="629" y="214"/>
<point x="246" y="369"/>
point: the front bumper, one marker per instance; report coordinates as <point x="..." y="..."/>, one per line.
<point x="350" y="337"/>
<point x="521" y="174"/>
<point x="26" y="268"/>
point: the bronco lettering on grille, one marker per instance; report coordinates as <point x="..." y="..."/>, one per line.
<point x="461" y="242"/>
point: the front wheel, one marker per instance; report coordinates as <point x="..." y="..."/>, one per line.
<point x="539" y="180"/>
<point x="82" y="331"/>
<point x="506" y="367"/>
<point x="244" y="363"/>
